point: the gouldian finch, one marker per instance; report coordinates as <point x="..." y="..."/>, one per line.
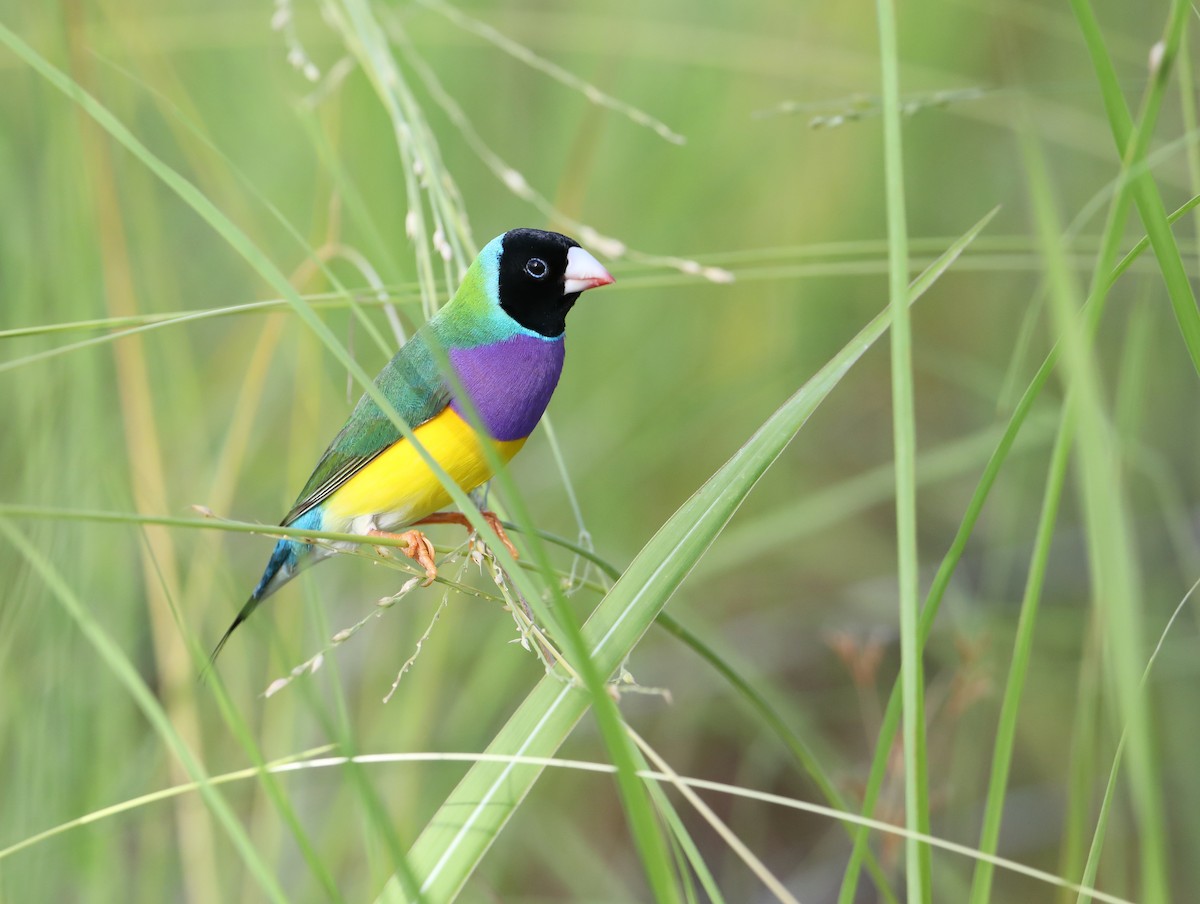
<point x="503" y="333"/>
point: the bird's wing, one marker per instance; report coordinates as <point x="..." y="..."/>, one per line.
<point x="412" y="383"/>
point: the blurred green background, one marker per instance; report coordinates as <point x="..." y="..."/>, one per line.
<point x="667" y="376"/>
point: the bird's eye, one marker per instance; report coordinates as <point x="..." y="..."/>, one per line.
<point x="536" y="267"/>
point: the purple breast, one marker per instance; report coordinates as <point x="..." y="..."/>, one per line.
<point x="509" y="382"/>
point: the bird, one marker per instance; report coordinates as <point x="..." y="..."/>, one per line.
<point x="503" y="334"/>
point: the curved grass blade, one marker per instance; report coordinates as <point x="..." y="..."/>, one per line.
<point x="314" y="759"/>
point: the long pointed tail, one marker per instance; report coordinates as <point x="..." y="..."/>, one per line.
<point x="285" y="562"/>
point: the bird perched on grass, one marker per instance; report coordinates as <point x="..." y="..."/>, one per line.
<point x="503" y="335"/>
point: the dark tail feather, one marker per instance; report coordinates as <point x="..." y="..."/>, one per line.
<point x="280" y="569"/>
<point x="250" y="606"/>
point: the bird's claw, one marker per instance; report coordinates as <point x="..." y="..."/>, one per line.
<point x="459" y="518"/>
<point x="494" y="524"/>
<point x="417" y="547"/>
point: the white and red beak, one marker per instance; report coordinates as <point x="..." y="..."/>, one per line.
<point x="583" y="272"/>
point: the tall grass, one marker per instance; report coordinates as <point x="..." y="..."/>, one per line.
<point x="218" y="226"/>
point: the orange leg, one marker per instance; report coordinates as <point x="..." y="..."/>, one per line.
<point x="417" y="547"/>
<point x="459" y="518"/>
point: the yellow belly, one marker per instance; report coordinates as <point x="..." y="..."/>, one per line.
<point x="398" y="486"/>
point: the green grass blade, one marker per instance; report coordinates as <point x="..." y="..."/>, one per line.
<point x="1006" y="731"/>
<point x="1134" y="144"/>
<point x="916" y="791"/>
<point x="1112" y="556"/>
<point x="684" y="841"/>
<point x="1187" y="112"/>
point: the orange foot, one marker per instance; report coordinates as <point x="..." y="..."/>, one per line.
<point x="459" y="518"/>
<point x="417" y="547"/>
